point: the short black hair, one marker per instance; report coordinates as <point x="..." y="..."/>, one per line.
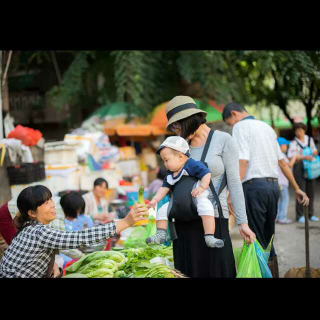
<point x="71" y="203"/>
<point x="189" y="125"/>
<point x="100" y="182"/>
<point x="30" y="198"/>
<point x="299" y="125"/>
<point x="232" y="106"/>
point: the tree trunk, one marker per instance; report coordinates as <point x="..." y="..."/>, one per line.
<point x="283" y="106"/>
<point x="309" y="107"/>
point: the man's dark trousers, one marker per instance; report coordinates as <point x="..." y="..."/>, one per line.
<point x="261" y="198"/>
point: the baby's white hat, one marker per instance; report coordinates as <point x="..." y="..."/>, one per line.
<point x="176" y="143"/>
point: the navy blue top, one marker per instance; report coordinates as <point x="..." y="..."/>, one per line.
<point x="192" y="168"/>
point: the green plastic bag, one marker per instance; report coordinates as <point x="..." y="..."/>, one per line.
<point x="138" y="237"/>
<point x="252" y="260"/>
<point x="247" y="262"/>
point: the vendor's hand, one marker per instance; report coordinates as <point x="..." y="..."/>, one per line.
<point x="246" y="233"/>
<point x="308" y="158"/>
<point x="152" y="203"/>
<point x="197" y="191"/>
<point x="137" y="213"/>
<point x="55" y="271"/>
<point x="302" y="197"/>
<point x="230" y="206"/>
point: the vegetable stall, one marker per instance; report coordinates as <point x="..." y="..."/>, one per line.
<point x="154" y="261"/>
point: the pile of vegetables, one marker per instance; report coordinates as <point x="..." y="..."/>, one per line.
<point x="100" y="264"/>
<point x="154" y="261"/>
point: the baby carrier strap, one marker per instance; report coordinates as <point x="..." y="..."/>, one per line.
<point x="176" y="214"/>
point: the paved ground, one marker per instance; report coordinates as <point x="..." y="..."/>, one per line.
<point x="289" y="239"/>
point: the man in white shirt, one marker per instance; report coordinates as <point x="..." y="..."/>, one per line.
<point x="259" y="157"/>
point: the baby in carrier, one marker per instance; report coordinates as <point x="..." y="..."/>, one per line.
<point x="175" y="153"/>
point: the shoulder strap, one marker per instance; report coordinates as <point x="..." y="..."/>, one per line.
<point x="203" y="158"/>
<point x="309" y="141"/>
<point x="299" y="143"/>
<point x="206" y="147"/>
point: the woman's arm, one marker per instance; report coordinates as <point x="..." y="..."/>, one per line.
<point x="50" y="238"/>
<point x="230" y="158"/>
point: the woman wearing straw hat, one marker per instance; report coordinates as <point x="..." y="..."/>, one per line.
<point x="191" y="255"/>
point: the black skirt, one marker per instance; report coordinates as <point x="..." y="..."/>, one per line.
<point x="193" y="258"/>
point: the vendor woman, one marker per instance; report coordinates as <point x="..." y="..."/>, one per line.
<point x="31" y="252"/>
<point x="96" y="204"/>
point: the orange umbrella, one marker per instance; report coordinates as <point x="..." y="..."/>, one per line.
<point x="159" y="118"/>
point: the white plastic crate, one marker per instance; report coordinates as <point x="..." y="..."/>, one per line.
<point x="16" y="189"/>
<point x="129" y="168"/>
<point x="63" y="177"/>
<point x="60" y="154"/>
<point x="112" y="177"/>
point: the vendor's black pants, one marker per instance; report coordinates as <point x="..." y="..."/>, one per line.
<point x="305" y="185"/>
<point x="261" y="198"/>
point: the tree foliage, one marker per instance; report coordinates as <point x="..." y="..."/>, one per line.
<point x="147" y="78"/>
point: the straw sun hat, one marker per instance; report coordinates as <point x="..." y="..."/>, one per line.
<point x="181" y="107"/>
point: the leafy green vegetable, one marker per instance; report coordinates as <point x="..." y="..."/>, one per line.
<point x="120" y="274"/>
<point x="97" y="264"/>
<point x="75" y="275"/>
<point x="101" y="273"/>
<point x="98" y="255"/>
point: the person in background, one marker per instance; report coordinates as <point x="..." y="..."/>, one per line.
<point x="7" y="228"/>
<point x="283" y="203"/>
<point x="259" y="157"/>
<point x="295" y="149"/>
<point x="73" y="205"/>
<point x="156" y="184"/>
<point x="31" y="252"/>
<point x="96" y="204"/>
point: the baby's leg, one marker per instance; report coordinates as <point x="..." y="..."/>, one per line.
<point x="162" y="225"/>
<point x="209" y="225"/>
<point x="206" y="212"/>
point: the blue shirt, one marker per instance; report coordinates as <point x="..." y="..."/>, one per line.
<point x="85" y="219"/>
<point x="191" y="168"/>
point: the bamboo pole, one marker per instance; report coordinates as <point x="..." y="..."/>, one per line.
<point x="306" y="216"/>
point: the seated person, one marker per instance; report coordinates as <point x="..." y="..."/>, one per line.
<point x="73" y="207"/>
<point x="9" y="211"/>
<point x="96" y="205"/>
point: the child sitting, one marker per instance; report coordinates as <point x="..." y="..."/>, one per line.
<point x="73" y="206"/>
<point x="175" y="153"/>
